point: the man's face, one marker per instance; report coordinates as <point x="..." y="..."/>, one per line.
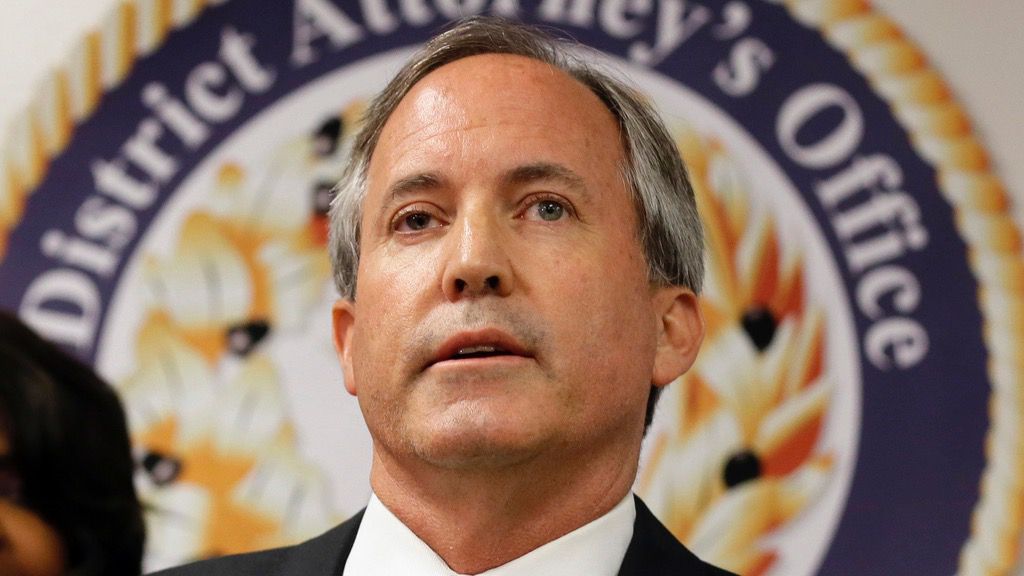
<point x="503" y="308"/>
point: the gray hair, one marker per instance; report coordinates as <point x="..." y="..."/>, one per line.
<point x="669" y="228"/>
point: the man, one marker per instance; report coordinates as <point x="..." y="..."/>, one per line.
<point x="528" y="255"/>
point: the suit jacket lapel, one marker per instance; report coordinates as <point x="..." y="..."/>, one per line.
<point x="324" y="555"/>
<point x="654" y="550"/>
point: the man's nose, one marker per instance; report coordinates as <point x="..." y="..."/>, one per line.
<point x="477" y="263"/>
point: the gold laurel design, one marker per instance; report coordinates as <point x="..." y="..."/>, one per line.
<point x="760" y="390"/>
<point x="69" y="94"/>
<point x="207" y="394"/>
<point x="942" y="134"/>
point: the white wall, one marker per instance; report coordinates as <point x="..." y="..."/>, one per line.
<point x="977" y="45"/>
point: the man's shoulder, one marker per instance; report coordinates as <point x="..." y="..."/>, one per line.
<point x="322" y="555"/>
<point x="655" y="550"/>
<point x="264" y="562"/>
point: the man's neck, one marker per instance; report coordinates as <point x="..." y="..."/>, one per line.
<point x="479" y="519"/>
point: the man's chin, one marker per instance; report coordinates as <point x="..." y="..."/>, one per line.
<point x="477" y="446"/>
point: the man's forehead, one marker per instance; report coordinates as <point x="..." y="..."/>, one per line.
<point x="486" y="82"/>
<point x="494" y="68"/>
<point x="497" y="90"/>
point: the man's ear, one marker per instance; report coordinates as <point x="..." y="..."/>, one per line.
<point x="343" y="315"/>
<point x="680" y="333"/>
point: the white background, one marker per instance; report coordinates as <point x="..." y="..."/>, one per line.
<point x="978" y="46"/>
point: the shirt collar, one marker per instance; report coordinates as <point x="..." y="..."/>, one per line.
<point x="384" y="546"/>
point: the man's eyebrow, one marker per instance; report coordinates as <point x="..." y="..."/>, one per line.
<point x="412" y="183"/>
<point x="525" y="174"/>
<point x="545" y="171"/>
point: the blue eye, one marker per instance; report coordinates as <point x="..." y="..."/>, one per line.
<point x="550" y="210"/>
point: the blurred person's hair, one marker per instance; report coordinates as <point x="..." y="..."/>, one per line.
<point x="69" y="445"/>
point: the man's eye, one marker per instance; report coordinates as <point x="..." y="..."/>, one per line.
<point x="414" y="221"/>
<point x="548" y="210"/>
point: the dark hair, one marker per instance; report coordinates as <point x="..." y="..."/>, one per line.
<point x="69" y="445"/>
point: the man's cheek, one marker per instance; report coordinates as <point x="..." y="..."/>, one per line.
<point x="412" y="271"/>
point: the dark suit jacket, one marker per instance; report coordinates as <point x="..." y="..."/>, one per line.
<point x="653" y="551"/>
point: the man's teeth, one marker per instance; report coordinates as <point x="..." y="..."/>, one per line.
<point x="478" y="350"/>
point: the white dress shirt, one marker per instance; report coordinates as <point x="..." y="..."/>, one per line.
<point x="386" y="547"/>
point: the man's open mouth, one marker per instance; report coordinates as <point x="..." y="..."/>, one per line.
<point x="479" y="352"/>
<point x="480" y="344"/>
